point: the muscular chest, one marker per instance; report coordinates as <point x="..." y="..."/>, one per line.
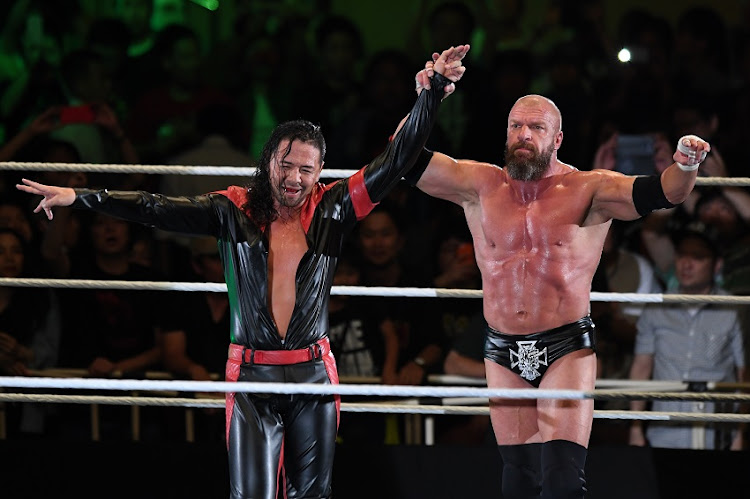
<point x="548" y="221"/>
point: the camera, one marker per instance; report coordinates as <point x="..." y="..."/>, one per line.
<point x="635" y="154"/>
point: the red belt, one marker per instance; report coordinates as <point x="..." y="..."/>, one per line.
<point x="279" y="357"/>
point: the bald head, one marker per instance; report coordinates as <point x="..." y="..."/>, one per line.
<point x="539" y="103"/>
<point x="534" y="136"/>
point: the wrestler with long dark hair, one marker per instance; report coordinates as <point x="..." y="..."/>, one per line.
<point x="279" y="240"/>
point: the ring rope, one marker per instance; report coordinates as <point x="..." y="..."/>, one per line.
<point x="360" y="407"/>
<point x="432" y="379"/>
<point x="238" y="170"/>
<point x="354" y="389"/>
<point x="359" y="290"/>
<point x="153" y="169"/>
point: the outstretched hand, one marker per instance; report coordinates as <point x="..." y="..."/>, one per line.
<point x="51" y="195"/>
<point x="448" y="63"/>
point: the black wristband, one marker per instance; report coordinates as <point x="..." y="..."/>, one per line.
<point x="648" y="195"/>
<point x="416" y="171"/>
<point x="439" y="82"/>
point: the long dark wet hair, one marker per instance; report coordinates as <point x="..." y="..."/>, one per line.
<point x="259" y="202"/>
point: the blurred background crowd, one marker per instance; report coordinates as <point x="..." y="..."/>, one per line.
<point x="202" y="82"/>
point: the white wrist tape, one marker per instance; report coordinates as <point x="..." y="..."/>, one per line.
<point x="693" y="162"/>
<point x="687" y="168"/>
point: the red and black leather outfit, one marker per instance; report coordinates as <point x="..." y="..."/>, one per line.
<point x="281" y="442"/>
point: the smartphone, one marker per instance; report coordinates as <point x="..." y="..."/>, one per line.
<point x="77" y="114"/>
<point x="635" y="154"/>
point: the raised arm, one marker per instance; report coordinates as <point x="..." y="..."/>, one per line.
<point x="438" y="174"/>
<point x="407" y="146"/>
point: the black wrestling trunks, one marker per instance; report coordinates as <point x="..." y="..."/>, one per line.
<point x="529" y="355"/>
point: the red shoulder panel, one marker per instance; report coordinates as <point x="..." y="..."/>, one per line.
<point x="236" y="194"/>
<point x="363" y="205"/>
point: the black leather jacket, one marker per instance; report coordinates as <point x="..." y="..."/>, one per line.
<point x="327" y="216"/>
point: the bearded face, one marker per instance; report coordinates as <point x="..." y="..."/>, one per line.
<point x="524" y="162"/>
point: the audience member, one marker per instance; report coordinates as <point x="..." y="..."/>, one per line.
<point x="421" y="339"/>
<point x="364" y="130"/>
<point x="636" y="96"/>
<point x="333" y="91"/>
<point x="162" y="121"/>
<point x="450" y="23"/>
<point x="723" y="215"/>
<point x="137" y="15"/>
<point x="456" y="268"/>
<point x="466" y="358"/>
<point x="702" y="41"/>
<point x="29" y="334"/>
<point x="111" y="332"/>
<point x="621" y="270"/>
<point x="88" y="120"/>
<point x="194" y="334"/>
<point x="30" y="54"/>
<point x="14" y="215"/>
<point x="59" y="237"/>
<point x="109" y="38"/>
<point x="510" y="74"/>
<point x="565" y="81"/>
<point x="365" y="345"/>
<point x="222" y="143"/>
<point x="693" y="342"/>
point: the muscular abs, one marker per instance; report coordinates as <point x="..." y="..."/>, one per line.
<point x="536" y="255"/>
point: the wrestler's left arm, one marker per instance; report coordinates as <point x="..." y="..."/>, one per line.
<point x="626" y="197"/>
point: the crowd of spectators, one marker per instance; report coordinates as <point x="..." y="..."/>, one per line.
<point x="118" y="90"/>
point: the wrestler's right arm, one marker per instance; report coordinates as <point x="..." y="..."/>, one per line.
<point x="193" y="215"/>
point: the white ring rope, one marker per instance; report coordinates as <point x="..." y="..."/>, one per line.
<point x="353" y="389"/>
<point x="153" y="169"/>
<point x="238" y="171"/>
<point x="207" y="403"/>
<point x="359" y="290"/>
<point x="279" y="388"/>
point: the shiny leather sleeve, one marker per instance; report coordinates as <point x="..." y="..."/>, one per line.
<point x="386" y="170"/>
<point x="190" y="215"/>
